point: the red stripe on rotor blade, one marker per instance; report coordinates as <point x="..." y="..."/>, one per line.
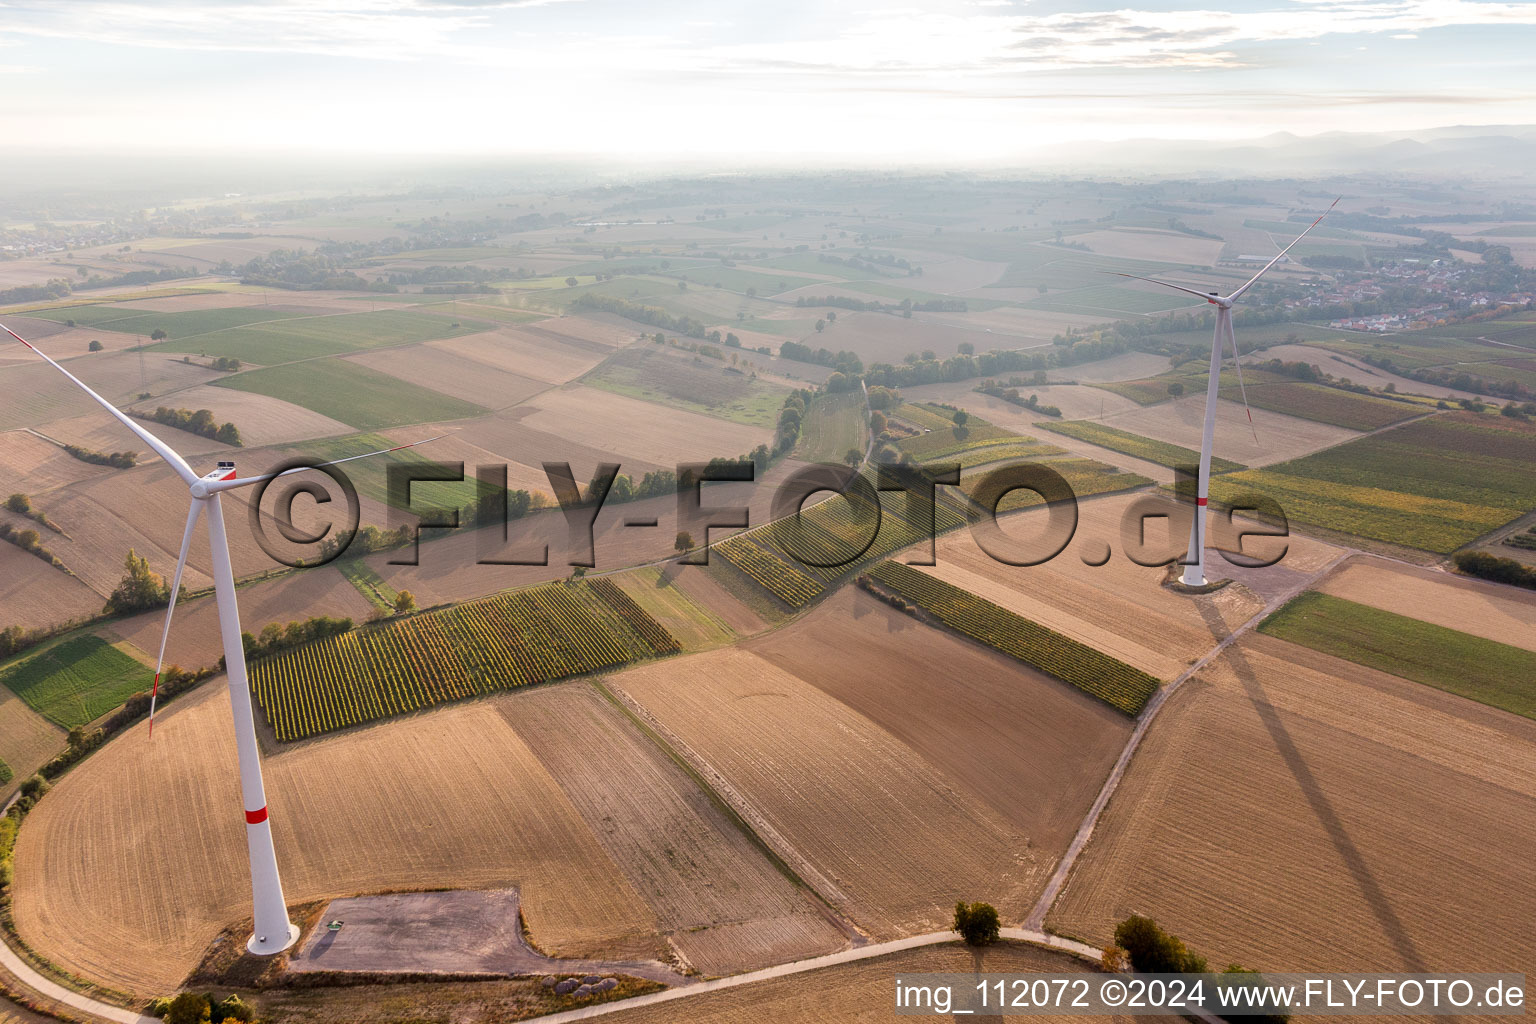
<point x="256" y="817"/>
<point x="1201" y="501"/>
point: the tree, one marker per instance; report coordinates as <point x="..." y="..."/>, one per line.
<point x="570" y="282"/>
<point x="94" y="346"/>
<point x="1153" y="951"/>
<point x="751" y="293"/>
<point x="853" y="456"/>
<point x="405" y="602"/>
<point x="821" y="325"/>
<point x="977" y="923"/>
<point x="188" y="1008"/>
<point x="158" y="334"/>
<point x="1176" y="388"/>
<point x="961" y="418"/>
<point x="228" y="434"/>
<point x="965" y="348"/>
<point x="139" y="589"/>
<point x="233" y="1008"/>
<point x="683" y="543"/>
<point x="20" y="504"/>
<point x="831" y="316"/>
<point x="1112" y="961"/>
<point x="877" y="422"/>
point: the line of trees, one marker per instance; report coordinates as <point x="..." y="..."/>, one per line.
<point x="652" y="315"/>
<point x="200" y="423"/>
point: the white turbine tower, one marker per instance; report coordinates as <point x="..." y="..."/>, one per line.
<point x="1194" y="563"/>
<point x="273" y="931"/>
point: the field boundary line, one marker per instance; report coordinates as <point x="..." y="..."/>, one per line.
<point x="32" y="979"/>
<point x="1058" y="881"/>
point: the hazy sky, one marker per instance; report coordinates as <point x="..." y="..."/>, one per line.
<point x="945" y="80"/>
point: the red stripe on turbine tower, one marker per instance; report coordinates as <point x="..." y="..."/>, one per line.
<point x="1201" y="501"/>
<point x="256" y="817"/>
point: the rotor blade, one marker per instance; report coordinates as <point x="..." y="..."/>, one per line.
<point x="214" y="486"/>
<point x="1249" y="283"/>
<point x="181" y="563"/>
<point x="1207" y="296"/>
<point x="1232" y="337"/>
<point x="160" y="448"/>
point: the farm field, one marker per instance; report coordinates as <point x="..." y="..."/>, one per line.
<point x="980" y="717"/>
<point x="342" y="390"/>
<point x="1086" y="477"/>
<point x="471" y="649"/>
<point x="825" y="786"/>
<point x="448" y="373"/>
<point x="1112" y="681"/>
<point x="261" y="419"/>
<point x="384" y="822"/>
<point x="36" y="594"/>
<point x="833" y="426"/>
<point x="665" y="598"/>
<point x="1119" y="608"/>
<point x="1076" y="401"/>
<point x="1327" y="405"/>
<point x="75" y="680"/>
<point x="1433" y="484"/>
<point x="1276" y="747"/>
<point x="1411" y="648"/>
<point x="622" y="426"/>
<point x="27" y="740"/>
<point x="716" y="897"/>
<point x="322" y="335"/>
<point x="1280" y="436"/>
<point x="694" y="383"/>
<point x="32" y="465"/>
<point x="1503" y="614"/>
<point x="36" y="396"/>
<point x="538" y="358"/>
<point x="1159" y="452"/>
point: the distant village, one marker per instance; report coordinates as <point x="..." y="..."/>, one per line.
<point x="1446" y="282"/>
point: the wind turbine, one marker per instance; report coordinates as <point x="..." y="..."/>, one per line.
<point x="1194" y="563"/>
<point x="273" y="931"/>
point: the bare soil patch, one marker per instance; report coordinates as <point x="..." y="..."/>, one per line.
<point x="1496" y="613"/>
<point x="514" y="351"/>
<point x="453" y="374"/>
<point x="1281" y="437"/>
<point x="641" y="430"/>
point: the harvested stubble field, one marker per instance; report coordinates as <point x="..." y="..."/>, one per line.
<point x="27" y="739"/>
<point x="716" y="897"/>
<point x="650" y="433"/>
<point x="1504" y="614"/>
<point x="35" y="594"/>
<point x="32" y="465"/>
<point x="833" y="426"/>
<point x="1434" y="484"/>
<point x="519" y="638"/>
<point x="261" y="419"/>
<point x="1501" y="674"/>
<point x="856" y="992"/>
<point x="1119" y="608"/>
<point x="100" y="892"/>
<point x="327" y="333"/>
<point x="1112" y="681"/>
<point x="1404" y="811"/>
<point x="1326" y="405"/>
<point x="458" y="376"/>
<point x="1076" y="401"/>
<point x="1032" y="748"/>
<point x="37" y="396"/>
<point x="694" y="383"/>
<point x="1160" y="452"/>
<point x="353" y="394"/>
<point x="863" y="819"/>
<point x="514" y="352"/>
<point x="1280" y="437"/>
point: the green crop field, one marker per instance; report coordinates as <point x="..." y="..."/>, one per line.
<point x="697" y="383"/>
<point x="1414" y="350"/>
<point x="191" y="323"/>
<point x="942" y="436"/>
<point x="496" y="643"/>
<point x="307" y="337"/>
<point x="370" y="476"/>
<point x="1086" y="477"/>
<point x="1160" y="452"/>
<point x="106" y="318"/>
<point x="352" y="393"/>
<point x="76" y="680"/>
<point x="1074" y="663"/>
<point x="1110" y="298"/>
<point x="1447" y="659"/>
<point x="833" y="425"/>
<point x="1435" y="484"/>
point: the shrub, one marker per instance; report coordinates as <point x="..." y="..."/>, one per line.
<point x="977" y="923"/>
<point x="188" y="1008"/>
<point x="1500" y="570"/>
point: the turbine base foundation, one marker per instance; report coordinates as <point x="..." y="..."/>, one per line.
<point x="269" y="945"/>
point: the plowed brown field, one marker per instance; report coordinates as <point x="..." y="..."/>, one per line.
<point x="882" y="834"/>
<point x="714" y="894"/>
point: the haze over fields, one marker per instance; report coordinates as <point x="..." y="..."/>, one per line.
<point x="542" y="738"/>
